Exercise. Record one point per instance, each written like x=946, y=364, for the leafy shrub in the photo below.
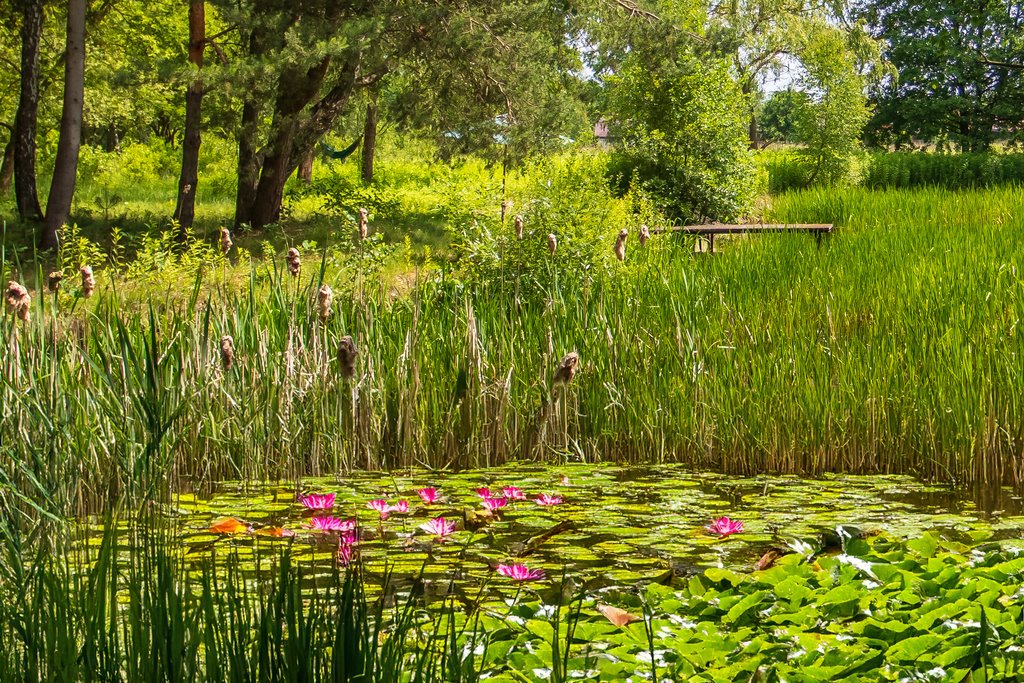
x=684, y=138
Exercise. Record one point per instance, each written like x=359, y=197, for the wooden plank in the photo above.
x=739, y=229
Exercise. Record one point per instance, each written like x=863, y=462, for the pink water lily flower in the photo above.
x=429, y=495
x=520, y=572
x=348, y=538
x=545, y=499
x=513, y=493
x=401, y=506
x=723, y=526
x=484, y=492
x=493, y=504
x=317, y=501
x=381, y=506
x=346, y=551
x=440, y=527
x=331, y=524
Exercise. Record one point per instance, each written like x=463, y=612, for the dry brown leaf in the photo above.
x=619, y=617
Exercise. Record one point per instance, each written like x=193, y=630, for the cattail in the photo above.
x=567, y=368
x=347, y=353
x=552, y=243
x=645, y=234
x=53, y=280
x=294, y=261
x=227, y=351
x=324, y=298
x=620, y=244
x=364, y=223
x=88, y=282
x=519, y=227
x=225, y=241
x=19, y=301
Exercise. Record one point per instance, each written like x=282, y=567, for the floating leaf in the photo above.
x=229, y=525
x=619, y=617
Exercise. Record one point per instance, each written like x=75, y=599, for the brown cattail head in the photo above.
x=324, y=298
x=364, y=223
x=567, y=368
x=620, y=244
x=53, y=280
x=227, y=351
x=294, y=261
x=645, y=234
x=552, y=243
x=88, y=282
x=347, y=353
x=519, y=227
x=19, y=301
x=225, y=241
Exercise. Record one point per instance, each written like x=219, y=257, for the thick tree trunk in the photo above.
x=248, y=164
x=306, y=168
x=369, y=141
x=7, y=165
x=65, y=166
x=185, y=209
x=25, y=190
x=295, y=90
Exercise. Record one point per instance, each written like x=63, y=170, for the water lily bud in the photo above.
x=225, y=241
x=88, y=282
x=347, y=353
x=294, y=261
x=620, y=244
x=227, y=351
x=324, y=298
x=53, y=280
x=19, y=301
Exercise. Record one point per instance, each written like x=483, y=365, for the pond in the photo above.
x=612, y=525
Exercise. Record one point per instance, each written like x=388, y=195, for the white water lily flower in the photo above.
x=542, y=673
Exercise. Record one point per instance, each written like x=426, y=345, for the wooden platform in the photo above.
x=709, y=230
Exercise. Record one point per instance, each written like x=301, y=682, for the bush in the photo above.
x=684, y=138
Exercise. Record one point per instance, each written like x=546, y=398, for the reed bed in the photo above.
x=895, y=346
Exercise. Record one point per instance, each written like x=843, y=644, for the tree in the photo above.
x=188, y=179
x=778, y=116
x=310, y=59
x=831, y=115
x=65, y=168
x=956, y=78
x=25, y=191
x=683, y=126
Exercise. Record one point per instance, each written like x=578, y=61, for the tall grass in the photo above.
x=894, y=347
x=895, y=170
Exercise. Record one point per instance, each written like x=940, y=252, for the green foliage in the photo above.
x=683, y=127
x=786, y=170
x=778, y=119
x=830, y=117
x=960, y=80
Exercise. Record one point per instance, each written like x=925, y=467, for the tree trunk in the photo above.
x=295, y=90
x=185, y=209
x=248, y=164
x=306, y=168
x=28, y=109
x=65, y=166
x=369, y=141
x=7, y=166
x=755, y=133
